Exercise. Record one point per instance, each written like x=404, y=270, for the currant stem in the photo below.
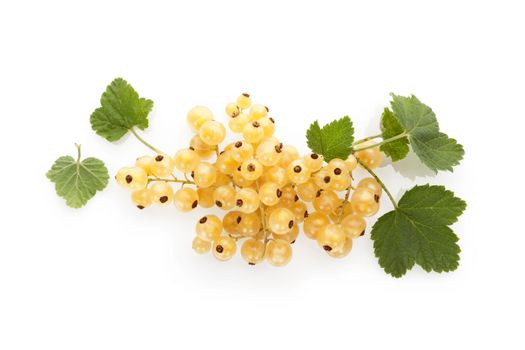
x=368, y=139
x=371, y=172
x=147, y=144
x=184, y=182
x=397, y=137
x=263, y=222
x=78, y=152
x=342, y=208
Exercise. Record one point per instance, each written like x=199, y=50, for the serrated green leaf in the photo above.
x=121, y=109
x=434, y=148
x=333, y=140
x=418, y=232
x=77, y=181
x=390, y=127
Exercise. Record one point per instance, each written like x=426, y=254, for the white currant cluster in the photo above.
x=266, y=188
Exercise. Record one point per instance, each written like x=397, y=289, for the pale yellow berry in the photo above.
x=197, y=116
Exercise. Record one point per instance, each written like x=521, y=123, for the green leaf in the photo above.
x=121, y=109
x=77, y=181
x=434, y=148
x=390, y=127
x=418, y=232
x=333, y=140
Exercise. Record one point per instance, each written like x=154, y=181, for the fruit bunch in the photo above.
x=266, y=189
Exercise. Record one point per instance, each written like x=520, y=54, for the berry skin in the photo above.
x=203, y=150
x=269, y=193
x=226, y=164
x=251, y=169
x=204, y=175
x=371, y=157
x=249, y=225
x=289, y=236
x=337, y=168
x=224, y=248
x=244, y=101
x=322, y=179
x=212, y=132
x=314, y=161
x=278, y=252
x=197, y=116
x=162, y=193
x=132, y=178
x=231, y=221
x=327, y=202
x=186, y=160
x=354, y=225
x=252, y=250
x=224, y=197
x=232, y=110
x=364, y=202
x=313, y=223
x=253, y=132
x=268, y=153
x=257, y=112
x=237, y=123
x=343, y=251
x=146, y=163
x=142, y=198
x=331, y=237
x=200, y=246
x=206, y=197
x=247, y=200
x=209, y=228
x=288, y=154
x=307, y=191
x=372, y=185
x=242, y=151
x=298, y=172
x=268, y=125
x=281, y=221
x=240, y=180
x=277, y=175
x=163, y=165
x=341, y=183
x=300, y=211
x=186, y=199
x=351, y=163
x=342, y=211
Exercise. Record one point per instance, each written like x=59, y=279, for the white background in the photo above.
x=110, y=277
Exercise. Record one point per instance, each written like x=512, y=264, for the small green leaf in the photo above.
x=333, y=140
x=121, y=109
x=418, y=232
x=434, y=148
x=390, y=127
x=77, y=181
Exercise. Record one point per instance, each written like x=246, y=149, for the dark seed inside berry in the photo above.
x=239, y=202
x=297, y=169
x=290, y=224
x=306, y=213
x=256, y=124
x=159, y=158
x=129, y=178
x=239, y=168
x=318, y=194
x=163, y=199
x=218, y=203
x=140, y=207
x=219, y=249
x=238, y=220
x=376, y=198
x=296, y=198
x=194, y=204
x=327, y=248
x=203, y=219
x=337, y=171
x=279, y=193
x=238, y=144
x=250, y=167
x=314, y=155
x=326, y=179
